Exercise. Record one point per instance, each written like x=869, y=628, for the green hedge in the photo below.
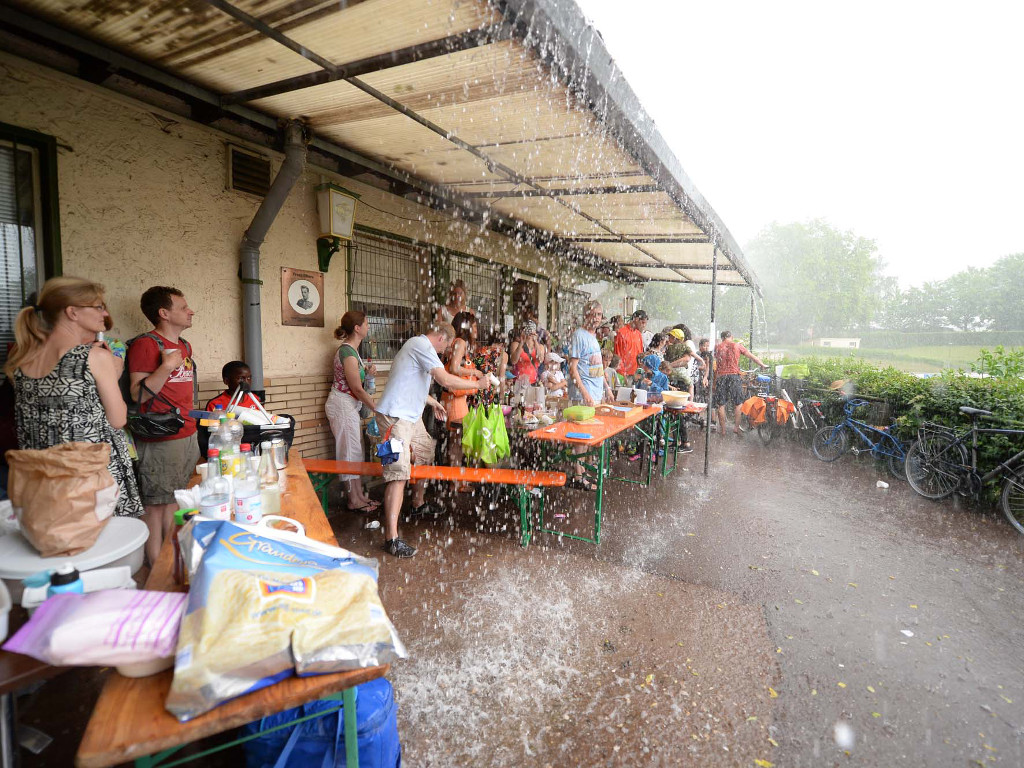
x=936, y=399
x=901, y=340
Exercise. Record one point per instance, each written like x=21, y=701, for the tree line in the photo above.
x=821, y=281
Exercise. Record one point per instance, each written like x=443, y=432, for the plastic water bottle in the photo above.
x=215, y=441
x=370, y=382
x=215, y=490
x=248, y=499
x=230, y=434
x=64, y=580
x=270, y=480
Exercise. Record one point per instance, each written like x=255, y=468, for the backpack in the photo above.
x=154, y=425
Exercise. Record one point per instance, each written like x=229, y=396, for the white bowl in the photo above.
x=120, y=543
x=675, y=398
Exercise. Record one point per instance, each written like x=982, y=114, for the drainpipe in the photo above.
x=249, y=250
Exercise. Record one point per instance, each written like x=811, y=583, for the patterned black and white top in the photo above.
x=64, y=406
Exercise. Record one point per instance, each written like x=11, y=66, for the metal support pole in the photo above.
x=751, y=319
x=711, y=389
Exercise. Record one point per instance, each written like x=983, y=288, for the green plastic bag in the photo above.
x=795, y=371
x=472, y=427
x=496, y=435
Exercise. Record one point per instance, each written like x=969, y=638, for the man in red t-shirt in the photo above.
x=728, y=387
x=164, y=365
x=629, y=343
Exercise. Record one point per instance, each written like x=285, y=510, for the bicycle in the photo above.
x=832, y=442
x=809, y=415
x=937, y=465
x=760, y=385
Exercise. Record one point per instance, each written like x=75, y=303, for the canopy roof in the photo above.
x=511, y=110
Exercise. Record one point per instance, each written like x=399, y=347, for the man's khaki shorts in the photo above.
x=165, y=467
x=414, y=439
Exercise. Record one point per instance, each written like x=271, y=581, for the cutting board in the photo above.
x=619, y=411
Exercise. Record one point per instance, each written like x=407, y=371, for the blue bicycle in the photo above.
x=832, y=442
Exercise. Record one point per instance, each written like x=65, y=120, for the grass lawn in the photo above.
x=911, y=359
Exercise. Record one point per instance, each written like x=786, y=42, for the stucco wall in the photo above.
x=144, y=201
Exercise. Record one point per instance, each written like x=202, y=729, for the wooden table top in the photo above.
x=606, y=426
x=130, y=720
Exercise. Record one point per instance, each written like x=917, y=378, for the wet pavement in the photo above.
x=780, y=601
x=780, y=611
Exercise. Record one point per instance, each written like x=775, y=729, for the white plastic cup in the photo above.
x=202, y=469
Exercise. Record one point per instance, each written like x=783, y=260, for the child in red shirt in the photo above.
x=232, y=374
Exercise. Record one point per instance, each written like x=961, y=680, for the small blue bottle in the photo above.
x=65, y=579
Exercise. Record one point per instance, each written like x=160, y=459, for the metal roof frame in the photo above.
x=207, y=107
x=565, y=45
x=560, y=34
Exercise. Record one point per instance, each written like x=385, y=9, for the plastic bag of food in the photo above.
x=112, y=627
x=263, y=606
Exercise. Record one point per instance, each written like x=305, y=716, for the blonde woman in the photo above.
x=345, y=401
x=66, y=383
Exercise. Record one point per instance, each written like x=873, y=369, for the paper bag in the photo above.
x=63, y=496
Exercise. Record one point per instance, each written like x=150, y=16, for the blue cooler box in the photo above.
x=321, y=742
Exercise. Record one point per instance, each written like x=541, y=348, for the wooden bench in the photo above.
x=528, y=483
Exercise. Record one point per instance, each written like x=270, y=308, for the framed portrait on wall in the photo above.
x=302, y=297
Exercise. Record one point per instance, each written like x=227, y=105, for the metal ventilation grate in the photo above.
x=248, y=172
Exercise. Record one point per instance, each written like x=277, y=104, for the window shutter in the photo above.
x=17, y=239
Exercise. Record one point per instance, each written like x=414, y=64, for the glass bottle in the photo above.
x=270, y=480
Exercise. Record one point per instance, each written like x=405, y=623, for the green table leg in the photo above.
x=348, y=698
x=671, y=429
x=554, y=457
x=523, y=501
x=320, y=482
x=602, y=467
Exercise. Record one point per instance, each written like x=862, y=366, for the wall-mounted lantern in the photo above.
x=336, y=207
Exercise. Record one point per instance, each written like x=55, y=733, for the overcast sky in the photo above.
x=902, y=121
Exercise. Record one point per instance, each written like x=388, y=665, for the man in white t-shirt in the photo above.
x=400, y=412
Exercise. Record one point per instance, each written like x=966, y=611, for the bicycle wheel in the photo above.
x=1013, y=499
x=934, y=465
x=897, y=466
x=831, y=442
x=766, y=429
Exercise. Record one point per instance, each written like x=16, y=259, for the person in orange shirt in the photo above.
x=728, y=388
x=629, y=343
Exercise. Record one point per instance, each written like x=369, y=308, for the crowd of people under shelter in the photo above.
x=68, y=386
